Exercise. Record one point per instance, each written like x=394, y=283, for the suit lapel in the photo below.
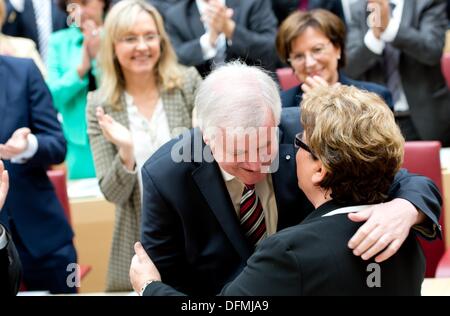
x=174, y=112
x=211, y=185
x=120, y=116
x=408, y=13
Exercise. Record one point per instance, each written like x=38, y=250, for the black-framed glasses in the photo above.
x=299, y=143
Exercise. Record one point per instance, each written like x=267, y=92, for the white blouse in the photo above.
x=148, y=135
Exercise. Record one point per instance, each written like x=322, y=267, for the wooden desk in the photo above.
x=93, y=222
x=436, y=287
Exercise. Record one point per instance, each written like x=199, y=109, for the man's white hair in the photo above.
x=237, y=95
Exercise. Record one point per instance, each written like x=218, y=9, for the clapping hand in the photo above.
x=379, y=17
x=16, y=145
x=119, y=135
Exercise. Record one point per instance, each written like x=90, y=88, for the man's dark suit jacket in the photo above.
x=32, y=205
x=282, y=8
x=420, y=39
x=23, y=24
x=293, y=96
x=313, y=258
x=253, y=39
x=189, y=225
x=10, y=269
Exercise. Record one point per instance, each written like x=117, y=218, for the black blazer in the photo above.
x=10, y=269
x=189, y=225
x=293, y=96
x=253, y=39
x=23, y=24
x=313, y=258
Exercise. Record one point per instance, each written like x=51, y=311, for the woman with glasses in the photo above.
x=145, y=98
x=72, y=73
x=348, y=157
x=313, y=44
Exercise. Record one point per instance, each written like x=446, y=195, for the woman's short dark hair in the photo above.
x=322, y=20
x=63, y=5
x=354, y=134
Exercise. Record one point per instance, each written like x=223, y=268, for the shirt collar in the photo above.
x=226, y=176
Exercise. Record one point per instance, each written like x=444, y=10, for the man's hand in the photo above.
x=142, y=268
x=4, y=184
x=16, y=145
x=312, y=83
x=387, y=227
x=379, y=17
x=218, y=18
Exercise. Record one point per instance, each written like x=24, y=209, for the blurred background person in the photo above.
x=402, y=49
x=313, y=44
x=72, y=73
x=283, y=8
x=144, y=97
x=163, y=5
x=17, y=46
x=31, y=140
x=36, y=20
x=208, y=33
x=10, y=267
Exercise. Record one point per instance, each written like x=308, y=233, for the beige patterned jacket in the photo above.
x=120, y=186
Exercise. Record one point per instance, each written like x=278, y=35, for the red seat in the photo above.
x=287, y=78
x=58, y=179
x=423, y=158
x=446, y=67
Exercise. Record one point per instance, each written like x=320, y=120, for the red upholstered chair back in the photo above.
x=446, y=67
x=58, y=179
x=423, y=158
x=287, y=78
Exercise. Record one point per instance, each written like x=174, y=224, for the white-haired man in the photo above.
x=203, y=214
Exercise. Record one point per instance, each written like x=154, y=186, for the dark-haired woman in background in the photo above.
x=313, y=44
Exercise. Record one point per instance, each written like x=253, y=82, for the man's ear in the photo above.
x=319, y=172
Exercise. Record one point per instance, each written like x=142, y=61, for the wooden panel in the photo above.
x=93, y=222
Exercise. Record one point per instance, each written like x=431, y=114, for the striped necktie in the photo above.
x=391, y=63
x=43, y=16
x=252, y=216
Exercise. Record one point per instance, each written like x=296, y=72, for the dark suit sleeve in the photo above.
x=256, y=38
x=359, y=58
x=10, y=269
x=43, y=121
x=273, y=270
x=189, y=51
x=425, y=43
x=161, y=229
x=425, y=196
